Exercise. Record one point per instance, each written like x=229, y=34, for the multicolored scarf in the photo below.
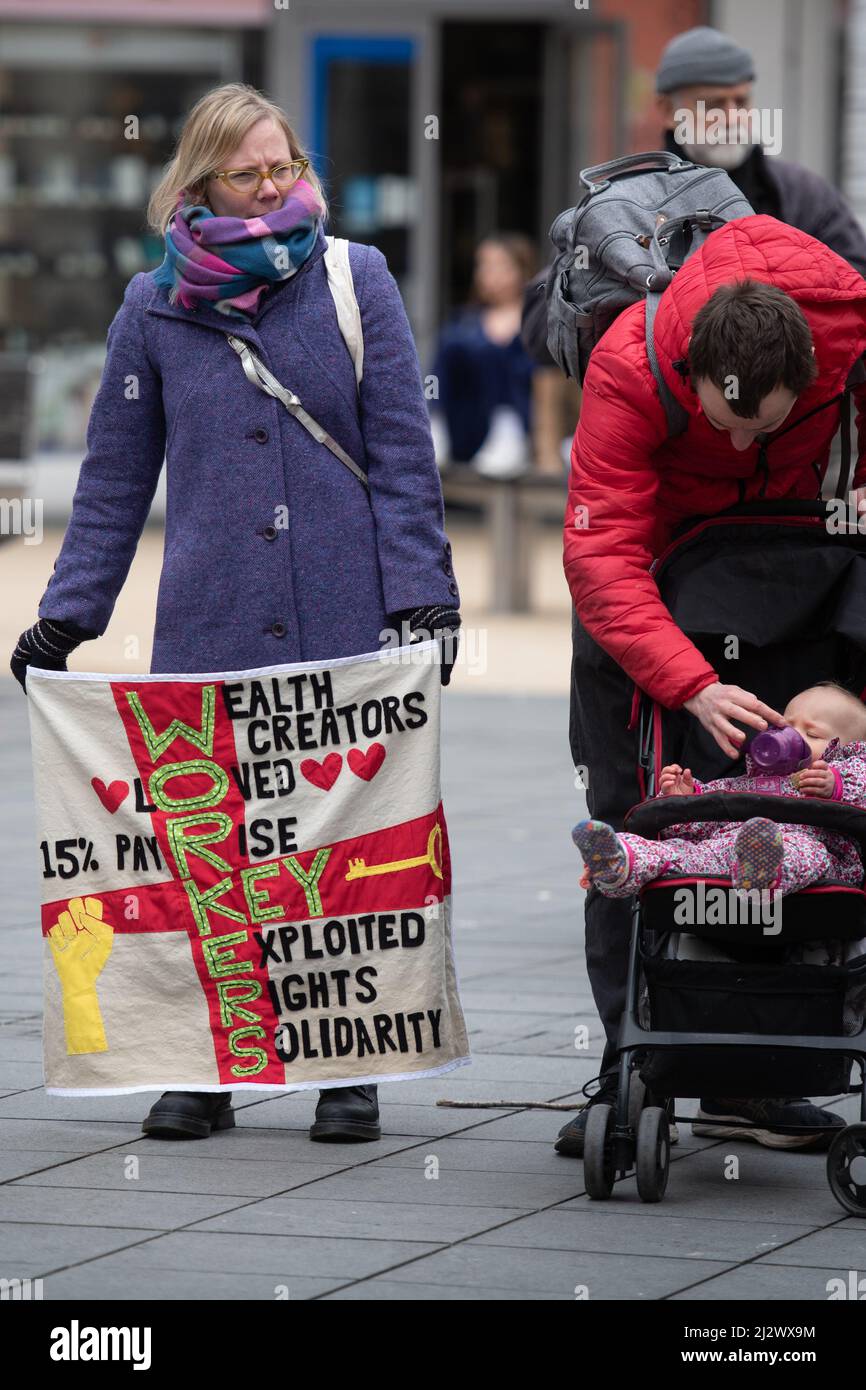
x=229, y=261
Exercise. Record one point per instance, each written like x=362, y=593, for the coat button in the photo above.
x=278, y=629
x=447, y=568
x=447, y=547
x=452, y=588
x=260, y=436
x=270, y=533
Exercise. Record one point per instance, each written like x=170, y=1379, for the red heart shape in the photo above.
x=323, y=774
x=367, y=764
x=111, y=795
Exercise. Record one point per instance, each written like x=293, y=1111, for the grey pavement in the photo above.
x=259, y=1212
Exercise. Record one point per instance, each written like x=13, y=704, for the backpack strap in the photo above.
x=258, y=374
x=856, y=377
x=677, y=415
x=342, y=287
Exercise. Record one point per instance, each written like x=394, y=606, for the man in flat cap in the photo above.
x=705, y=65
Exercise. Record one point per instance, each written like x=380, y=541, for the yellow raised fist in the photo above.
x=81, y=944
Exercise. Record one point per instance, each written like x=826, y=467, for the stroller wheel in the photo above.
x=846, y=1168
x=598, y=1170
x=653, y=1154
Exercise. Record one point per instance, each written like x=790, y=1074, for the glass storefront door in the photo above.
x=360, y=135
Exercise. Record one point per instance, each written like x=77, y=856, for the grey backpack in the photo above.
x=639, y=220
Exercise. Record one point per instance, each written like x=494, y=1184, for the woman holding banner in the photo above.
x=282, y=544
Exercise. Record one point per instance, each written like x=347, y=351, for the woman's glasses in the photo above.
x=250, y=180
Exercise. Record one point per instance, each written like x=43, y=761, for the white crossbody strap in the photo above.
x=258, y=374
x=342, y=288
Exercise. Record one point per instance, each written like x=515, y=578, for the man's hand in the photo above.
x=815, y=780
x=674, y=781
x=716, y=705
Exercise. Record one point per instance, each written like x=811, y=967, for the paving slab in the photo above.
x=280, y=1256
x=591, y=1229
x=375, y=1290
x=198, y=1174
x=477, y=1154
x=306, y=1214
x=79, y=1136
x=19, y=1075
x=93, y=1206
x=794, y=1206
x=26, y=1163
x=431, y=1183
x=764, y=1283
x=40, y=1246
x=557, y=1272
x=841, y=1246
x=126, y=1281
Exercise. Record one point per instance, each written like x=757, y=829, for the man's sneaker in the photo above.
x=721, y=1119
x=570, y=1140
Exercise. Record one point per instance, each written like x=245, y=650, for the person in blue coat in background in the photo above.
x=483, y=413
x=275, y=552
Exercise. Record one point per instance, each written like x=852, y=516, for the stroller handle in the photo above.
x=650, y=817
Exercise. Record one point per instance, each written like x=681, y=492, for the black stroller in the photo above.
x=787, y=580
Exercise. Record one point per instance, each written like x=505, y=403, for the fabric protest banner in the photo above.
x=246, y=878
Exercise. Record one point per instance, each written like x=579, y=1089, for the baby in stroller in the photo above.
x=758, y=853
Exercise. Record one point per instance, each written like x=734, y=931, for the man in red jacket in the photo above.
x=756, y=333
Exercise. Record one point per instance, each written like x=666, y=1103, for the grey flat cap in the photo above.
x=703, y=55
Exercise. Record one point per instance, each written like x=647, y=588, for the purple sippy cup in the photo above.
x=780, y=751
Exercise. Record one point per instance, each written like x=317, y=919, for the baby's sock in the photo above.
x=758, y=854
x=606, y=857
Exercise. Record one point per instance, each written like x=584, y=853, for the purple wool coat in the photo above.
x=244, y=583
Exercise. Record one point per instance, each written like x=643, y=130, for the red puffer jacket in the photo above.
x=633, y=485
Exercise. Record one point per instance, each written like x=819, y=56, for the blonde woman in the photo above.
x=275, y=551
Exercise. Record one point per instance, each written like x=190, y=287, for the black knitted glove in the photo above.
x=47, y=644
x=435, y=620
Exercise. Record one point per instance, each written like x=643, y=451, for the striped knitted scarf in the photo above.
x=229, y=261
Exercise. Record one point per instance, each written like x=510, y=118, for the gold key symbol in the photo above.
x=359, y=868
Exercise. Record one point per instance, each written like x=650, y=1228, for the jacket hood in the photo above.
x=829, y=291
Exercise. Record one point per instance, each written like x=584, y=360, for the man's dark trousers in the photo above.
x=602, y=744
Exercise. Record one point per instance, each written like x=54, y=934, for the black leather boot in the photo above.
x=346, y=1114
x=189, y=1114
